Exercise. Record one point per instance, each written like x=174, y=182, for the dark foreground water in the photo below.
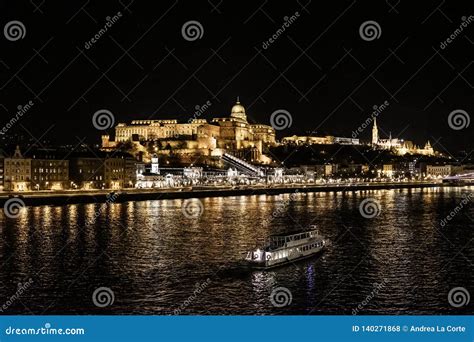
x=156, y=260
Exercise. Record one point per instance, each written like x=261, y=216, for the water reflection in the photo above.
x=152, y=256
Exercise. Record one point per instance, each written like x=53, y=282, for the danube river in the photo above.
x=148, y=257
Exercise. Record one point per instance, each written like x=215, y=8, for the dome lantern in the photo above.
x=238, y=111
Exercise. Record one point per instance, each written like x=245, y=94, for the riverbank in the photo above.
x=101, y=196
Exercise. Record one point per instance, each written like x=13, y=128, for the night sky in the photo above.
x=320, y=69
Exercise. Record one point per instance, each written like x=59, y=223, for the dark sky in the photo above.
x=320, y=69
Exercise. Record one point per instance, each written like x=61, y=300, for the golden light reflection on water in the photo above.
x=151, y=246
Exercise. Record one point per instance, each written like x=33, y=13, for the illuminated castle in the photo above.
x=399, y=146
x=198, y=136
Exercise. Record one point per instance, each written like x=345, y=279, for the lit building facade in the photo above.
x=313, y=140
x=49, y=174
x=17, y=172
x=198, y=136
x=86, y=172
x=102, y=172
x=443, y=170
x=399, y=146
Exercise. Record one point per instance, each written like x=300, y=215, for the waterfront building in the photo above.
x=149, y=180
x=86, y=172
x=114, y=173
x=193, y=172
x=329, y=169
x=17, y=172
x=350, y=169
x=130, y=178
x=104, y=171
x=443, y=170
x=388, y=170
x=412, y=169
x=49, y=173
x=198, y=136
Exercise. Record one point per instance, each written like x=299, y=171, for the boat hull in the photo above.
x=267, y=264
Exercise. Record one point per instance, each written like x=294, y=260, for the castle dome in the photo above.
x=238, y=111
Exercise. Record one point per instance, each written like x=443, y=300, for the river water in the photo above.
x=154, y=259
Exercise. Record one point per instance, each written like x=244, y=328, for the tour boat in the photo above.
x=285, y=248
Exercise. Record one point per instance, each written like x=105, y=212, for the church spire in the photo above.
x=375, y=133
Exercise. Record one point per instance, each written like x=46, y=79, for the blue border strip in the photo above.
x=238, y=328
